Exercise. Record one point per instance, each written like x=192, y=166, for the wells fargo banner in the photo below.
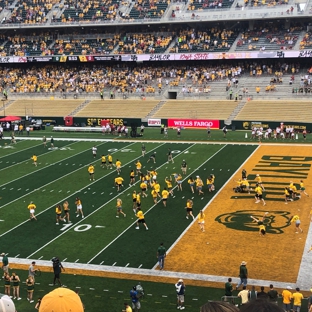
x=193, y=123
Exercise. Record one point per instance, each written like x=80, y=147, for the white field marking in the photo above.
x=195, y=299
x=93, y=192
x=68, y=191
x=105, y=290
x=60, y=191
x=1, y=220
x=51, y=191
x=19, y=150
x=140, y=266
x=91, y=288
x=77, y=286
x=100, y=226
x=134, y=221
x=120, y=291
x=150, y=294
x=64, y=260
x=43, y=190
x=51, y=205
x=164, y=296
x=3, y=188
x=211, y=200
x=40, y=187
x=76, y=260
x=127, y=264
x=63, y=232
x=28, y=160
x=16, y=256
x=38, y=170
x=102, y=263
x=19, y=189
x=40, y=257
x=110, y=193
x=12, y=188
x=114, y=263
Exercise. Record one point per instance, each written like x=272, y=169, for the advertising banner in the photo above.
x=194, y=123
x=154, y=122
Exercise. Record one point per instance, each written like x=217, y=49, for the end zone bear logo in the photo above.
x=240, y=220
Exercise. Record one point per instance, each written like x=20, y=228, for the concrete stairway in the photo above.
x=79, y=108
x=154, y=110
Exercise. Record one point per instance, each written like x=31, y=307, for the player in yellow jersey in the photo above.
x=91, y=172
x=31, y=207
x=169, y=185
x=79, y=207
x=157, y=187
x=119, y=208
x=58, y=212
x=179, y=182
x=138, y=200
x=258, y=194
x=66, y=211
x=302, y=188
x=141, y=219
x=110, y=161
x=297, y=221
x=210, y=184
x=119, y=183
x=245, y=185
x=260, y=222
x=191, y=183
x=155, y=195
x=143, y=187
x=132, y=177
x=138, y=167
x=103, y=161
x=201, y=220
x=134, y=205
x=34, y=159
x=189, y=209
x=118, y=166
x=199, y=185
x=259, y=181
x=154, y=174
x=287, y=195
x=164, y=195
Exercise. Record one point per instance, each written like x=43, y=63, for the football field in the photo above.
x=102, y=245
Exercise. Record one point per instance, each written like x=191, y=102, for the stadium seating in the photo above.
x=217, y=39
x=144, y=43
x=148, y=9
x=42, y=108
x=118, y=108
x=265, y=39
x=277, y=110
x=198, y=109
x=206, y=5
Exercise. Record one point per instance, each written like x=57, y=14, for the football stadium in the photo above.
x=155, y=155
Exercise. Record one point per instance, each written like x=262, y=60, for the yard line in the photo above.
x=16, y=256
x=101, y=262
x=42, y=185
x=40, y=257
x=140, y=266
x=211, y=200
x=19, y=150
x=54, y=204
x=28, y=159
x=76, y=260
x=114, y=263
x=131, y=225
x=65, y=231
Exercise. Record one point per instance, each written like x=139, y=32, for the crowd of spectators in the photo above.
x=216, y=38
x=126, y=78
x=264, y=38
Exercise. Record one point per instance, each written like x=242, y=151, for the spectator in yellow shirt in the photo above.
x=287, y=296
x=297, y=300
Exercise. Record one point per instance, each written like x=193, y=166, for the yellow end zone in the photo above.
x=232, y=237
